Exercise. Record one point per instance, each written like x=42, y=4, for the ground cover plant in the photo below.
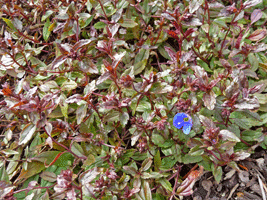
x=128, y=99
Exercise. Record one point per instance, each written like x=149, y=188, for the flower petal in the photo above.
x=178, y=120
x=187, y=128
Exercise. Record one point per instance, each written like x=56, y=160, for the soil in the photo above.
x=247, y=184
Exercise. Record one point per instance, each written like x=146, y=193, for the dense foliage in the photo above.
x=90, y=88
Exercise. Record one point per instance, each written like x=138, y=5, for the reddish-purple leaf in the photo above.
x=171, y=53
x=175, y=24
x=241, y=155
x=172, y=34
x=249, y=104
x=214, y=82
x=102, y=78
x=32, y=184
x=112, y=104
x=251, y=3
x=192, y=22
x=238, y=41
x=74, y=98
x=64, y=48
x=89, y=175
x=58, y=61
x=208, y=123
x=187, y=56
x=194, y=5
x=186, y=187
x=256, y=15
x=225, y=63
x=256, y=88
x=227, y=135
x=108, y=32
x=107, y=65
x=258, y=35
x=87, y=66
x=189, y=32
x=130, y=170
x=209, y=100
x=81, y=43
x=168, y=16
x=114, y=29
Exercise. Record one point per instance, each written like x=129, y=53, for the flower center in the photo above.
x=186, y=119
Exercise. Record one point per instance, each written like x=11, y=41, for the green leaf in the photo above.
x=146, y=6
x=139, y=67
x=154, y=175
x=9, y=23
x=235, y=129
x=33, y=168
x=168, y=162
x=12, y=165
x=49, y=176
x=159, y=197
x=3, y=175
x=204, y=65
x=17, y=23
x=63, y=105
x=221, y=22
x=157, y=139
x=147, y=190
x=242, y=123
x=38, y=63
x=157, y=161
x=124, y=118
x=139, y=156
x=250, y=135
x=99, y=25
x=89, y=6
x=27, y=133
x=90, y=160
x=81, y=113
x=89, y=88
x=128, y=23
x=217, y=173
x=166, y=184
x=85, y=19
x=69, y=85
x=47, y=157
x=77, y=149
x=194, y=5
x=209, y=100
x=112, y=116
x=143, y=106
x=46, y=32
x=261, y=97
x=196, y=151
x=167, y=143
x=65, y=160
x=130, y=170
x=146, y=164
x=187, y=159
x=253, y=61
x=9, y=152
x=47, y=14
x=161, y=88
x=228, y=136
x=143, y=54
x=206, y=164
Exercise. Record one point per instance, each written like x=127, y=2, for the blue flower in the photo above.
x=183, y=120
